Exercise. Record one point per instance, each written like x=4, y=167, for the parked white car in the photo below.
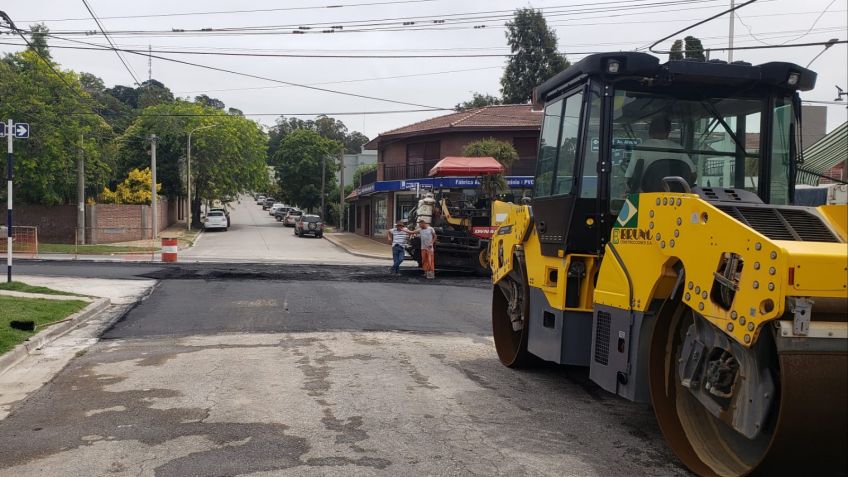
x=215, y=219
x=274, y=208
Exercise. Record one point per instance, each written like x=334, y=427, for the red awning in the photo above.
x=466, y=166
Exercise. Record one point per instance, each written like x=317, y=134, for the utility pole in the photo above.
x=9, y=178
x=153, y=205
x=730, y=36
x=323, y=167
x=81, y=193
x=341, y=192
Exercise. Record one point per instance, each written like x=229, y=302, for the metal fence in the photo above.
x=24, y=240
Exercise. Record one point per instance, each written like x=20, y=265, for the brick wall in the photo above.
x=56, y=224
x=104, y=222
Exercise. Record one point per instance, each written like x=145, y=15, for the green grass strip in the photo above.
x=41, y=311
x=92, y=249
x=23, y=287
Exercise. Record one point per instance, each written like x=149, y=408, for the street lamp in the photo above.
x=827, y=45
x=188, y=171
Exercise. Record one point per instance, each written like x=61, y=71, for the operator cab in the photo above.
x=617, y=124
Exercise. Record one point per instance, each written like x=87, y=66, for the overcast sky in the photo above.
x=582, y=26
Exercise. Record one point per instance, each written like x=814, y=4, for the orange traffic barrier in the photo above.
x=169, y=250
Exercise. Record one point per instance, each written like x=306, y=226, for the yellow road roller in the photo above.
x=661, y=249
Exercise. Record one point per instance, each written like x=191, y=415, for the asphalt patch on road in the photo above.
x=310, y=272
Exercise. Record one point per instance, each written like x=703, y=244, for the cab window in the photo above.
x=548, y=145
x=568, y=144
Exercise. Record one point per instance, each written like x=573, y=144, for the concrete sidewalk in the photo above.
x=359, y=245
x=25, y=368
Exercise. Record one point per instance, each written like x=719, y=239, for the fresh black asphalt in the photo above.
x=194, y=306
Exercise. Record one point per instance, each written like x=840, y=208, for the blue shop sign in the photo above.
x=430, y=183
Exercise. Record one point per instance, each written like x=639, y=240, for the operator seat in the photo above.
x=650, y=180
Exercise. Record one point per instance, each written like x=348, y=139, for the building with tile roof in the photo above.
x=406, y=154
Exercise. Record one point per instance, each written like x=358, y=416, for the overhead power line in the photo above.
x=229, y=12
x=114, y=47
x=413, y=22
x=249, y=75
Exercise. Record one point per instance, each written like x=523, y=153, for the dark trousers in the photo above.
x=397, y=256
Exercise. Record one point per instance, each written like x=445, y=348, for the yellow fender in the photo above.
x=655, y=231
x=514, y=224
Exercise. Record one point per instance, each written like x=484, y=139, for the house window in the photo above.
x=420, y=156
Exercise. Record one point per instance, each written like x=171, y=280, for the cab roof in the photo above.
x=637, y=65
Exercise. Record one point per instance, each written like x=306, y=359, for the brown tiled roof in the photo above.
x=508, y=116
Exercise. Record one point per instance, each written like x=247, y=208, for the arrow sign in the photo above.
x=21, y=130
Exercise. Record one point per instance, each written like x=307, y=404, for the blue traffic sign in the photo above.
x=21, y=130
x=2, y=129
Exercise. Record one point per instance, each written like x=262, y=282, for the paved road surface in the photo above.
x=255, y=236
x=341, y=372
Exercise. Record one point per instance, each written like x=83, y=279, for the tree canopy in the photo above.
x=298, y=162
x=535, y=56
x=61, y=116
x=688, y=48
x=227, y=159
x=329, y=128
x=503, y=152
x=478, y=100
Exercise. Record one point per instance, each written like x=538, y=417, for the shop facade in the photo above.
x=405, y=156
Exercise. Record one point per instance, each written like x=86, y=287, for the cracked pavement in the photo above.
x=216, y=376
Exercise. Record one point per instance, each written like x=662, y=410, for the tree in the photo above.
x=118, y=114
x=689, y=48
x=46, y=163
x=478, y=100
x=135, y=189
x=535, y=56
x=227, y=160
x=694, y=48
x=211, y=102
x=39, y=40
x=152, y=92
x=327, y=127
x=362, y=169
x=235, y=111
x=503, y=152
x=298, y=162
x=676, y=50
x=354, y=141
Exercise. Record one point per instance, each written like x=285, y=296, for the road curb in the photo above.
x=37, y=341
x=351, y=251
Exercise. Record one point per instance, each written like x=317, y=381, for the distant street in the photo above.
x=255, y=236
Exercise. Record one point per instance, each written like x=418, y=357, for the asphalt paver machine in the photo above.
x=662, y=251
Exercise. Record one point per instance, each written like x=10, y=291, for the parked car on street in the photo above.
x=260, y=200
x=224, y=210
x=269, y=201
x=215, y=219
x=273, y=209
x=281, y=212
x=309, y=224
x=291, y=217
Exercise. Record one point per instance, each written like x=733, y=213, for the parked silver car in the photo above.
x=291, y=217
